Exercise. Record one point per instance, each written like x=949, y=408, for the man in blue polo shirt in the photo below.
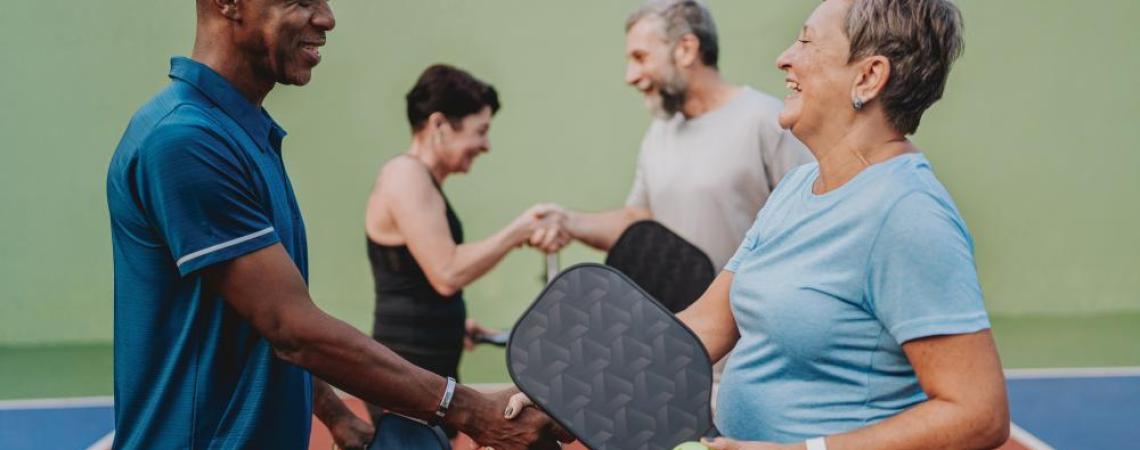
x=215, y=333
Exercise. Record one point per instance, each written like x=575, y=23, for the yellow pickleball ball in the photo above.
x=690, y=446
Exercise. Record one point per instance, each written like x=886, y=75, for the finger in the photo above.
x=536, y=237
x=516, y=404
x=556, y=237
x=549, y=237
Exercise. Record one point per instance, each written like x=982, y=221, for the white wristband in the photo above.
x=816, y=444
x=445, y=402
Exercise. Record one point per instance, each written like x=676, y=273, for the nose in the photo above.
x=324, y=18
x=632, y=74
x=784, y=61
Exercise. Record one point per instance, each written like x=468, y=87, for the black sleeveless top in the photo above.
x=410, y=316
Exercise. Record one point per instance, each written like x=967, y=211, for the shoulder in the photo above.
x=916, y=204
x=761, y=109
x=404, y=174
x=797, y=175
x=760, y=104
x=185, y=127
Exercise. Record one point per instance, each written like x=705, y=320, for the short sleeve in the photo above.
x=922, y=277
x=201, y=197
x=639, y=193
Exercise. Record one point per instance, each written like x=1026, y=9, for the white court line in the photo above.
x=1090, y=372
x=104, y=443
x=1027, y=439
x=57, y=403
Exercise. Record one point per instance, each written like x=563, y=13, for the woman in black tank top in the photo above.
x=420, y=260
x=411, y=317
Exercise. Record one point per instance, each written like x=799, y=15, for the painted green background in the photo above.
x=1036, y=139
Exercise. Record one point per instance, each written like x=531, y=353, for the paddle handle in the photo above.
x=552, y=266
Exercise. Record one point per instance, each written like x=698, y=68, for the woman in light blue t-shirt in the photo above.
x=859, y=322
x=852, y=309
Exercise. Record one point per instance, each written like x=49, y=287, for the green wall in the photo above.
x=1036, y=139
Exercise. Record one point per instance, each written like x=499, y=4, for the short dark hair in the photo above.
x=453, y=92
x=921, y=38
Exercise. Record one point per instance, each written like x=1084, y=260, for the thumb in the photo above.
x=516, y=404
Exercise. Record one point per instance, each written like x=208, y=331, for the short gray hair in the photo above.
x=921, y=38
x=681, y=17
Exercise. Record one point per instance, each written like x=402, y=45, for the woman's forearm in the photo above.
x=473, y=260
x=967, y=406
x=932, y=425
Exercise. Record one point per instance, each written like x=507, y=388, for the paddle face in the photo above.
x=672, y=270
x=610, y=364
x=394, y=432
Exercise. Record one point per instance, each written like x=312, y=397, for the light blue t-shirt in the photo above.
x=826, y=290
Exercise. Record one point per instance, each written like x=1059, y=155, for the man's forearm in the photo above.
x=346, y=358
x=327, y=406
x=266, y=288
x=600, y=230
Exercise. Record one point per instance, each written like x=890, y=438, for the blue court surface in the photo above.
x=1061, y=409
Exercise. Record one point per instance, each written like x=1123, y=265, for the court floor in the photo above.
x=1061, y=409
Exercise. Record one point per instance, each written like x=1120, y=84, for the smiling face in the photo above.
x=651, y=68
x=819, y=75
x=283, y=37
x=459, y=146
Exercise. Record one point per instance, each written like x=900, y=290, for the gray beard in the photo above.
x=672, y=102
x=671, y=95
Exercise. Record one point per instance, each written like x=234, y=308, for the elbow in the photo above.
x=288, y=343
x=636, y=214
x=446, y=280
x=991, y=428
x=1002, y=436
x=995, y=432
x=445, y=288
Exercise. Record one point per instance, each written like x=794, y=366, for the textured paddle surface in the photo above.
x=612, y=365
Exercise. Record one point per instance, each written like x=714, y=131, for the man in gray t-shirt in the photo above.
x=715, y=150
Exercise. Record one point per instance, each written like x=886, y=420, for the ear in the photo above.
x=871, y=78
x=230, y=9
x=437, y=122
x=687, y=51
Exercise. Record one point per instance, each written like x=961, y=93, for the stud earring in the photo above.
x=858, y=104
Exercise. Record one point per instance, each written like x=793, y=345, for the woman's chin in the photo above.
x=787, y=120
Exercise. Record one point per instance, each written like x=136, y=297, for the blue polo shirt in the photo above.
x=196, y=180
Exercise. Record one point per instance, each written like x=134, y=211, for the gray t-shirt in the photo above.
x=707, y=177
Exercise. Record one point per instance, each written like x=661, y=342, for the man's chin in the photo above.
x=297, y=77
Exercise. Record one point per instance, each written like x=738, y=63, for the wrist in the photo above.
x=573, y=223
x=515, y=235
x=445, y=401
x=465, y=409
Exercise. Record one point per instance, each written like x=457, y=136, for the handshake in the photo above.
x=545, y=227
